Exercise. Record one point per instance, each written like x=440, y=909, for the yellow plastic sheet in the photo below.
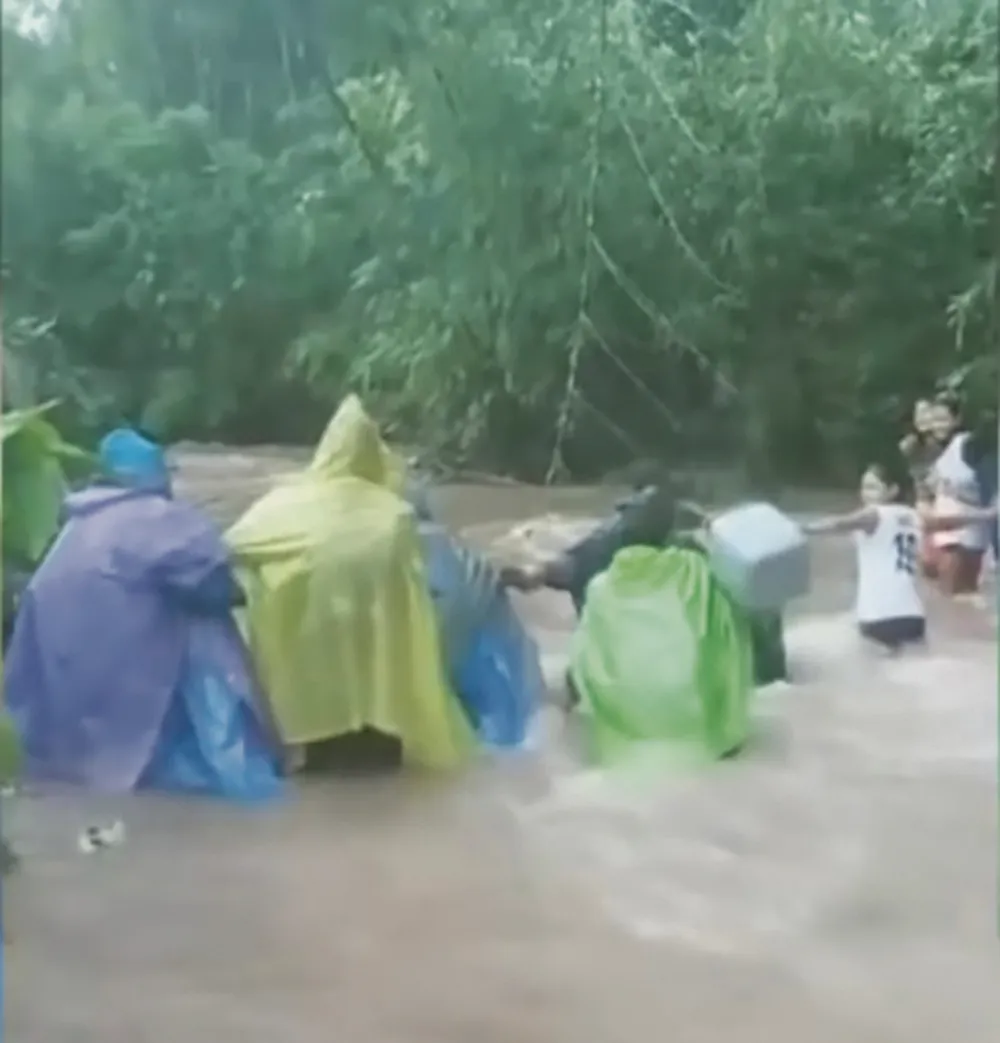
x=339, y=617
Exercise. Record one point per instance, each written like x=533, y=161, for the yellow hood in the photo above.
x=351, y=446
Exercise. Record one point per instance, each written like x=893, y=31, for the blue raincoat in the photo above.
x=125, y=668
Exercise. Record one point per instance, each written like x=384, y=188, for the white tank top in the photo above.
x=888, y=561
x=956, y=488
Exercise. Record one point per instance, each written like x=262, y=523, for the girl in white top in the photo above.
x=959, y=549
x=887, y=534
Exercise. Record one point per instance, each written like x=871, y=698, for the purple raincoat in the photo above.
x=104, y=638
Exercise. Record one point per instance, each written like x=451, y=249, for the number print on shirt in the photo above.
x=906, y=552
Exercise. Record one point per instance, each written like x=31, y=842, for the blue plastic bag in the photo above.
x=500, y=681
x=213, y=744
x=492, y=662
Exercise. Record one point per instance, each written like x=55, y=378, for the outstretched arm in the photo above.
x=556, y=574
x=194, y=569
x=863, y=520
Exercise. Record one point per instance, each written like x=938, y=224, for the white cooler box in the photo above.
x=760, y=555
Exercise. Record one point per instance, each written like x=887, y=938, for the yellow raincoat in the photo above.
x=339, y=617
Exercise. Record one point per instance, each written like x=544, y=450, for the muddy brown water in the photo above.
x=837, y=884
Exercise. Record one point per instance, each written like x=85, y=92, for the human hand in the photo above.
x=522, y=577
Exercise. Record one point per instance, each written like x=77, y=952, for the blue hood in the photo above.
x=134, y=461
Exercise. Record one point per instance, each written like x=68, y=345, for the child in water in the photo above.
x=887, y=534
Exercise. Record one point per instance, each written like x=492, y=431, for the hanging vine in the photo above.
x=578, y=338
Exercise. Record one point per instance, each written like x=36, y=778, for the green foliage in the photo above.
x=11, y=759
x=527, y=232
x=36, y=463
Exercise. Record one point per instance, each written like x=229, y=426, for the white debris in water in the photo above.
x=97, y=838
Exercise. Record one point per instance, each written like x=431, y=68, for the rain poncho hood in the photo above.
x=352, y=447
x=339, y=616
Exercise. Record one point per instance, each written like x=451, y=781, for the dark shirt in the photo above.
x=645, y=519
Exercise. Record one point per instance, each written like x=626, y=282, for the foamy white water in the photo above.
x=747, y=857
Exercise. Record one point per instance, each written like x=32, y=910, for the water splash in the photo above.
x=746, y=859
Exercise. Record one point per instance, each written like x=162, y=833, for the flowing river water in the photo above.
x=835, y=884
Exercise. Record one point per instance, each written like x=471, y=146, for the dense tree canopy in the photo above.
x=537, y=234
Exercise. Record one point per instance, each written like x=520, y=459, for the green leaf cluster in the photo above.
x=36, y=463
x=10, y=750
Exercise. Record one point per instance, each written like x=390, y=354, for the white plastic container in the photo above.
x=760, y=555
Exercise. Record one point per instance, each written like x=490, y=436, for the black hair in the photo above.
x=649, y=517
x=908, y=420
x=981, y=445
x=950, y=401
x=893, y=471
x=641, y=474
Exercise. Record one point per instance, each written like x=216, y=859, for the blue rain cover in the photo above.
x=493, y=663
x=500, y=681
x=213, y=740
